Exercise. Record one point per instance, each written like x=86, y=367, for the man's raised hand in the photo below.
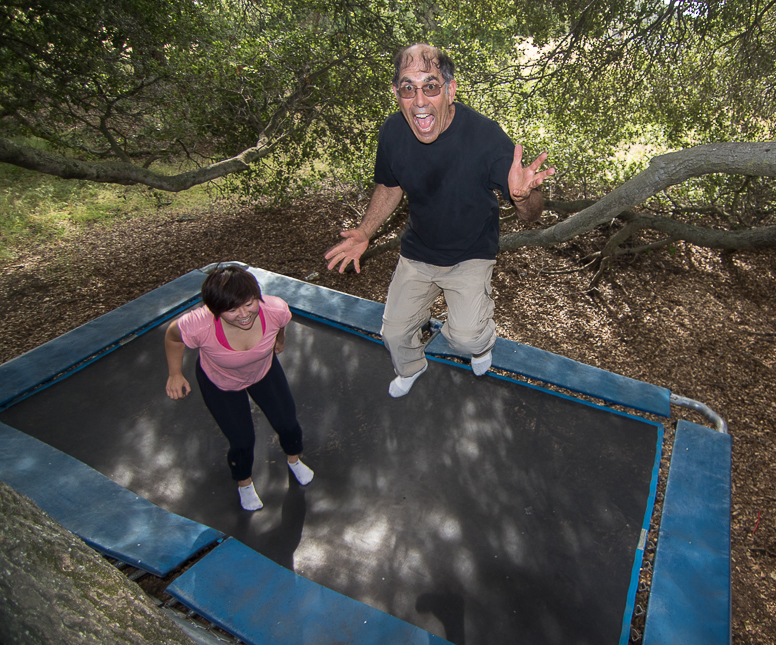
x=522, y=180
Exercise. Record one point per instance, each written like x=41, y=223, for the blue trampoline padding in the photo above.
x=690, y=598
x=106, y=516
x=23, y=373
x=563, y=372
x=323, y=303
x=366, y=315
x=262, y=603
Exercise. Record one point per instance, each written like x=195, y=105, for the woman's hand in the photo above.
x=177, y=386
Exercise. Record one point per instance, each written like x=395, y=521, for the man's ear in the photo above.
x=451, y=87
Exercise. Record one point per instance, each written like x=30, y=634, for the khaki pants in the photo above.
x=415, y=285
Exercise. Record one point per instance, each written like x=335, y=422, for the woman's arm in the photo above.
x=280, y=340
x=177, y=385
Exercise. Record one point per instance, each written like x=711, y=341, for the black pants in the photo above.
x=232, y=412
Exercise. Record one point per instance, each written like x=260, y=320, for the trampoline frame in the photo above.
x=690, y=598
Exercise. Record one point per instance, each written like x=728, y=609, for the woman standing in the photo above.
x=239, y=334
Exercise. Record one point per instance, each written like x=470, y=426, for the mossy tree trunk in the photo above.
x=55, y=589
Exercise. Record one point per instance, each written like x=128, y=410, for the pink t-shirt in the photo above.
x=227, y=368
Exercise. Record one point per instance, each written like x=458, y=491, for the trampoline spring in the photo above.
x=647, y=566
x=223, y=638
x=638, y=610
x=136, y=575
x=191, y=613
x=635, y=635
x=171, y=603
x=643, y=586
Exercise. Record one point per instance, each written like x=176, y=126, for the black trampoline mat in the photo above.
x=480, y=509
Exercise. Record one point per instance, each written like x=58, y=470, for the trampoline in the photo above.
x=473, y=510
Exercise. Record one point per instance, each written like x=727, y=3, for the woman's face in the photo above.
x=243, y=316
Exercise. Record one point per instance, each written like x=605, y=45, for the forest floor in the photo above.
x=701, y=323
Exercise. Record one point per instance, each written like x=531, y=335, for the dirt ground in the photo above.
x=698, y=322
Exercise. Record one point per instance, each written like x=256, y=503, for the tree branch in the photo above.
x=126, y=174
x=757, y=159
x=708, y=237
x=372, y=251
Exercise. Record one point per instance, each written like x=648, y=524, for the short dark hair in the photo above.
x=229, y=287
x=431, y=57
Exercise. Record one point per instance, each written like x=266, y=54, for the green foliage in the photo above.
x=141, y=81
x=594, y=82
x=88, y=76
x=37, y=208
x=308, y=81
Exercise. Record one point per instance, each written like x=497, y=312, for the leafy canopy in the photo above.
x=283, y=90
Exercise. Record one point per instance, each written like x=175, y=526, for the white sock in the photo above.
x=304, y=474
x=402, y=384
x=249, y=500
x=482, y=364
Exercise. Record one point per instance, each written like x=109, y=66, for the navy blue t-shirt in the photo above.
x=449, y=184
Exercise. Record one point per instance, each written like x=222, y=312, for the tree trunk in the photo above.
x=124, y=173
x=55, y=589
x=752, y=159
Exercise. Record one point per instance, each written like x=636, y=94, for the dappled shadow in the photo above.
x=280, y=543
x=476, y=508
x=449, y=608
x=517, y=498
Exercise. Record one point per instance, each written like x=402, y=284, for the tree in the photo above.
x=87, y=78
x=111, y=88
x=263, y=90
x=666, y=61
x=55, y=589
x=749, y=159
x=589, y=80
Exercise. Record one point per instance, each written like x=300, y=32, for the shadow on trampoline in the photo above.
x=478, y=509
x=280, y=543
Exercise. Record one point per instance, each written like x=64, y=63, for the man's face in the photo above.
x=428, y=116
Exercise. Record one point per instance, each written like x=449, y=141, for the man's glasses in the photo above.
x=429, y=89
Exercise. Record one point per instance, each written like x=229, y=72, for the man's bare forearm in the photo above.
x=384, y=201
x=530, y=209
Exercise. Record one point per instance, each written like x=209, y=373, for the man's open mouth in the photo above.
x=424, y=122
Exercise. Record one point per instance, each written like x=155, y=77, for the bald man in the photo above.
x=448, y=159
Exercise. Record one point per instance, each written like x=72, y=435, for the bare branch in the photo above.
x=371, y=252
x=127, y=174
x=756, y=159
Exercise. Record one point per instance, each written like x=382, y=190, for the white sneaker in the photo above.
x=482, y=364
x=304, y=474
x=401, y=384
x=249, y=500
